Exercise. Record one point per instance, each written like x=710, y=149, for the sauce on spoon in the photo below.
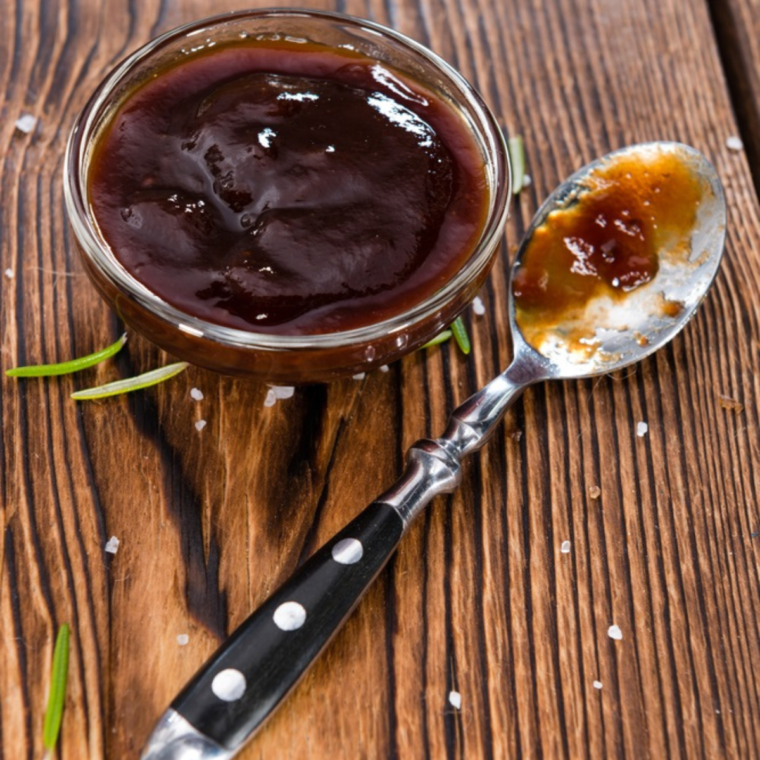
x=606, y=240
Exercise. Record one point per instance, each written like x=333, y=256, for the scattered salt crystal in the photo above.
x=196, y=394
x=594, y=492
x=734, y=143
x=271, y=398
x=200, y=425
x=9, y=274
x=527, y=180
x=597, y=684
x=360, y=376
x=614, y=632
x=565, y=548
x=641, y=429
x=384, y=368
x=478, y=307
x=26, y=123
x=455, y=700
x=283, y=391
x=516, y=435
x=183, y=639
x=112, y=545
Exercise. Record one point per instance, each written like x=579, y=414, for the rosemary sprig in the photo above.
x=65, y=368
x=57, y=697
x=460, y=335
x=131, y=384
x=442, y=337
x=517, y=160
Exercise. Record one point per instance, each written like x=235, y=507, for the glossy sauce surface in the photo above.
x=288, y=188
x=606, y=242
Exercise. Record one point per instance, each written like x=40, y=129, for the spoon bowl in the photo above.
x=627, y=331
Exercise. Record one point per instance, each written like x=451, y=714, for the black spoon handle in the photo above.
x=266, y=656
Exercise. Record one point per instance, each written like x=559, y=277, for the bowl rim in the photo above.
x=100, y=255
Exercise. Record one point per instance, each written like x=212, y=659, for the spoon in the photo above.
x=252, y=672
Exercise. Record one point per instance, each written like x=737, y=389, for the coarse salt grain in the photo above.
x=9, y=274
x=641, y=429
x=183, y=639
x=565, y=548
x=455, y=700
x=200, y=425
x=360, y=376
x=597, y=684
x=734, y=143
x=271, y=399
x=614, y=632
x=112, y=545
x=527, y=180
x=196, y=394
x=385, y=368
x=283, y=391
x=26, y=123
x=478, y=306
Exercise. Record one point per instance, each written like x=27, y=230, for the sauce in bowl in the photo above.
x=288, y=188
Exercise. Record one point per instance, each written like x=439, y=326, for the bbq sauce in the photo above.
x=288, y=188
x=606, y=241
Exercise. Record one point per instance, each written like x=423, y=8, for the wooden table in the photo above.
x=480, y=599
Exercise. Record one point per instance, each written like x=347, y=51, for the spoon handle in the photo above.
x=252, y=672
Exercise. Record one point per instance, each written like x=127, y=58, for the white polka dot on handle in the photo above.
x=229, y=685
x=289, y=616
x=348, y=551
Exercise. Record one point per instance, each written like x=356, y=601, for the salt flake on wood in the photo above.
x=112, y=545
x=271, y=399
x=384, y=368
x=641, y=429
x=597, y=684
x=565, y=548
x=26, y=123
x=196, y=394
x=614, y=632
x=200, y=425
x=360, y=376
x=283, y=391
x=9, y=274
x=183, y=639
x=734, y=143
x=455, y=700
x=478, y=306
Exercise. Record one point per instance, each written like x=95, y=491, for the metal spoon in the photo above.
x=244, y=682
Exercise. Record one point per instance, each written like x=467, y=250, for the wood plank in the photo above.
x=479, y=599
x=737, y=26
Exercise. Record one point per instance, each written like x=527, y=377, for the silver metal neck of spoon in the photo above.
x=434, y=465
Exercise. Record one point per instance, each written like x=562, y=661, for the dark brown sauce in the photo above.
x=608, y=241
x=288, y=188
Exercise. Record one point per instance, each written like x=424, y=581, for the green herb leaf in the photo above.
x=65, y=368
x=57, y=698
x=517, y=160
x=442, y=337
x=132, y=384
x=460, y=335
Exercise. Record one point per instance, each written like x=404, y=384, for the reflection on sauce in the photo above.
x=606, y=242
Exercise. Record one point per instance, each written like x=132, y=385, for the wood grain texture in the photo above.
x=479, y=599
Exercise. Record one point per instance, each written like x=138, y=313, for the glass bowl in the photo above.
x=284, y=359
